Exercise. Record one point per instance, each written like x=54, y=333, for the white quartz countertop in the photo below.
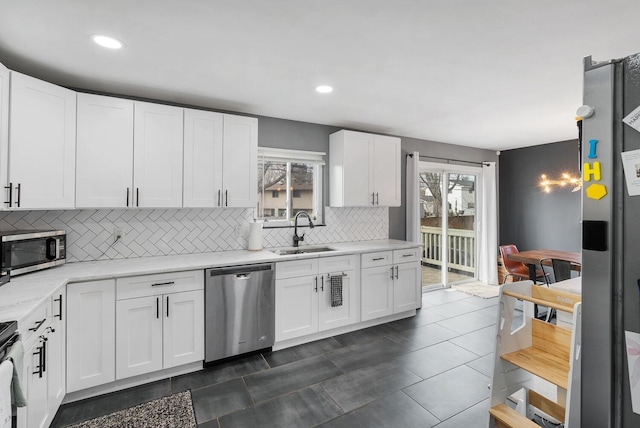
x=25, y=293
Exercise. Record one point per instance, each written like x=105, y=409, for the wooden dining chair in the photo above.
x=515, y=269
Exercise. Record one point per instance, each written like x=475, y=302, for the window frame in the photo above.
x=288, y=156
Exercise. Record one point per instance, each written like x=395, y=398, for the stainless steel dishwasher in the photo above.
x=239, y=310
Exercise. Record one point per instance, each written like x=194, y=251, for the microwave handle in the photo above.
x=52, y=246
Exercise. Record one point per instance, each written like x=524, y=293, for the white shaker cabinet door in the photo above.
x=138, y=336
x=202, y=158
x=349, y=171
x=104, y=172
x=42, y=144
x=157, y=147
x=240, y=162
x=405, y=290
x=386, y=171
x=91, y=334
x=4, y=130
x=34, y=385
x=56, y=351
x=183, y=315
x=348, y=311
x=296, y=307
x=377, y=292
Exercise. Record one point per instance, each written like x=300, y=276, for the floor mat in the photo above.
x=174, y=411
x=478, y=289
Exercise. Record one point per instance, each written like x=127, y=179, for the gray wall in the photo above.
x=397, y=216
x=530, y=218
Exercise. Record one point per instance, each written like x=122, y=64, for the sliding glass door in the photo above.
x=448, y=224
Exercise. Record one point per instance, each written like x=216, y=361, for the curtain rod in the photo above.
x=451, y=160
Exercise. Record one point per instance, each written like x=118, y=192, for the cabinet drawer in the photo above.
x=153, y=285
x=379, y=258
x=296, y=268
x=406, y=256
x=35, y=323
x=337, y=263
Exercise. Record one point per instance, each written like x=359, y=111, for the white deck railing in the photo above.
x=462, y=248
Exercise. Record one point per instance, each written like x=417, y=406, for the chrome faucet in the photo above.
x=296, y=238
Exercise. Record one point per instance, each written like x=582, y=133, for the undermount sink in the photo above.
x=300, y=250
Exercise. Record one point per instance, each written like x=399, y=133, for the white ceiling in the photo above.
x=493, y=74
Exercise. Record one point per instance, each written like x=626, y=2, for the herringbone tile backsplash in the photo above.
x=154, y=232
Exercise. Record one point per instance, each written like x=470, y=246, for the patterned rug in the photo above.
x=478, y=289
x=174, y=411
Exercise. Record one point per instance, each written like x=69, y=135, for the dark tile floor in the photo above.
x=431, y=370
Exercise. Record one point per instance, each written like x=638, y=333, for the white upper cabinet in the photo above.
x=240, y=154
x=384, y=170
x=104, y=173
x=364, y=170
x=4, y=130
x=157, y=148
x=42, y=139
x=202, y=158
x=220, y=160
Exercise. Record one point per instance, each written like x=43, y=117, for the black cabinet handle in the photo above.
x=219, y=196
x=226, y=198
x=59, y=300
x=167, y=306
x=44, y=355
x=322, y=286
x=127, y=196
x=41, y=350
x=377, y=259
x=18, y=196
x=137, y=197
x=391, y=272
x=316, y=279
x=10, y=188
x=157, y=307
x=38, y=324
x=373, y=198
x=377, y=198
x=396, y=271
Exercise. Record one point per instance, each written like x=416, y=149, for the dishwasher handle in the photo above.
x=239, y=270
x=243, y=276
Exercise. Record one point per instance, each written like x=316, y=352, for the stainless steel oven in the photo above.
x=31, y=250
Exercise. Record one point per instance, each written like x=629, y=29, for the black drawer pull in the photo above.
x=38, y=324
x=377, y=259
x=163, y=283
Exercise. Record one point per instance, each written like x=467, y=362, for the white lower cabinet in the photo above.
x=43, y=365
x=390, y=282
x=377, y=292
x=164, y=327
x=57, y=350
x=303, y=295
x=91, y=334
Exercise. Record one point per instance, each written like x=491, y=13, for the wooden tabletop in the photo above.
x=534, y=256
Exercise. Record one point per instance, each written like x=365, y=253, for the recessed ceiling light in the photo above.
x=324, y=89
x=107, y=42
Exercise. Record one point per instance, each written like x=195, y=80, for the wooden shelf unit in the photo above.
x=530, y=349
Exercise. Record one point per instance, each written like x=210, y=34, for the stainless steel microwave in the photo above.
x=31, y=250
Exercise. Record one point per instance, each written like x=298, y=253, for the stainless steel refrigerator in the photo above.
x=611, y=242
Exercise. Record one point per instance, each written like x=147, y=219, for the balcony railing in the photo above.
x=462, y=248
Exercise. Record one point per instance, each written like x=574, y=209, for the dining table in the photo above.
x=532, y=258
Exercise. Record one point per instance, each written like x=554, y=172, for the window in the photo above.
x=289, y=181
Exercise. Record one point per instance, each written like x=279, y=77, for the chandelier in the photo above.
x=566, y=181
